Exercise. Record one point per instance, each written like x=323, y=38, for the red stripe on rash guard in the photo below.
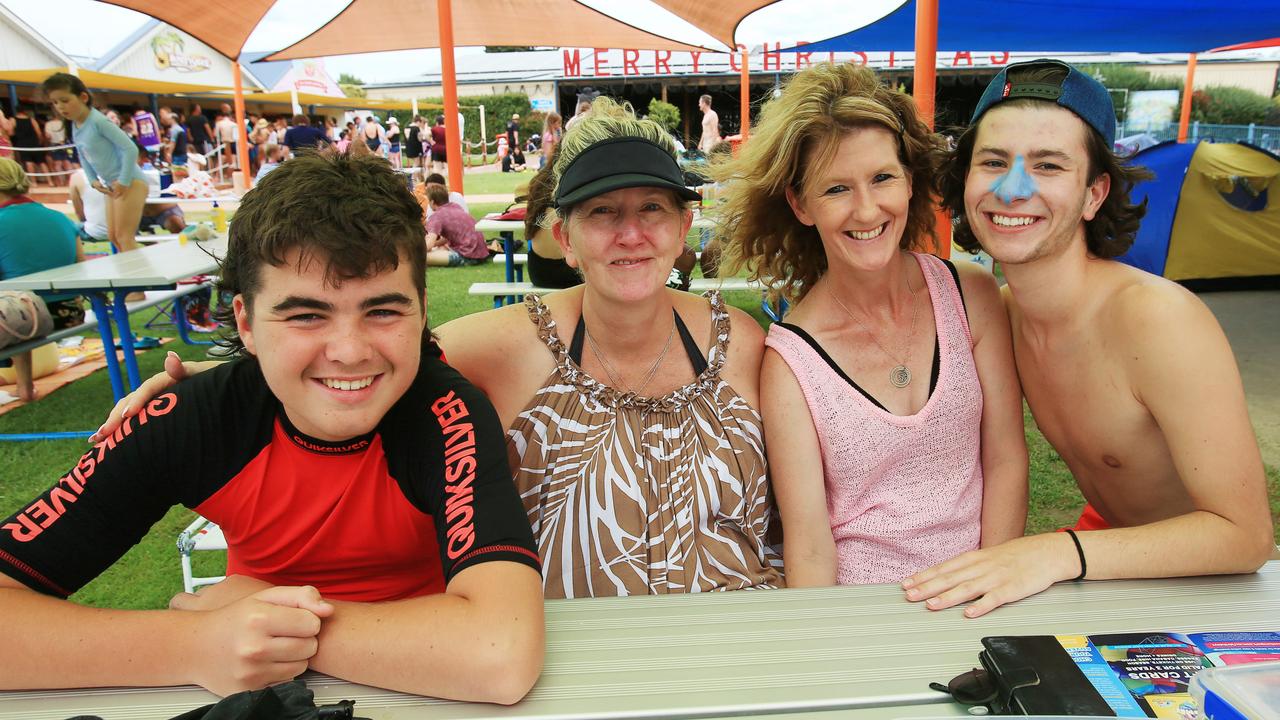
x=500, y=548
x=31, y=572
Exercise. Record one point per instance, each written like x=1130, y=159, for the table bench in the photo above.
x=154, y=299
x=514, y=291
x=157, y=267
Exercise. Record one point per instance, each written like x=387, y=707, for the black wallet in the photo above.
x=1028, y=675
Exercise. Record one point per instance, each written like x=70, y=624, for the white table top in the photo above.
x=152, y=266
x=165, y=200
x=862, y=653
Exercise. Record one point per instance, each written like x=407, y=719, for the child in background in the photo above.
x=108, y=156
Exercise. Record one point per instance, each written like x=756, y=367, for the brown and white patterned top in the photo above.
x=632, y=495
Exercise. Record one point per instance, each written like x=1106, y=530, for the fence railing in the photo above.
x=1264, y=136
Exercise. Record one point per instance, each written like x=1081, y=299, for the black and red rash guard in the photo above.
x=388, y=515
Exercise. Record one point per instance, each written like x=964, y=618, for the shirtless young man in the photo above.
x=1128, y=375
x=710, y=125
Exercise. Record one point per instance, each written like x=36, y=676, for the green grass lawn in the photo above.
x=149, y=574
x=489, y=183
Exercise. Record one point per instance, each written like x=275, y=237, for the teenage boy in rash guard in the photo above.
x=373, y=528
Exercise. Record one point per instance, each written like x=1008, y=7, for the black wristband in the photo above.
x=1080, y=551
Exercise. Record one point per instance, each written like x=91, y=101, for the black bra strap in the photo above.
x=575, y=345
x=690, y=347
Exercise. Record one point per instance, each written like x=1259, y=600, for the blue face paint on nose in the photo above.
x=1015, y=184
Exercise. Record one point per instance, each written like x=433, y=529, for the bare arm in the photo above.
x=481, y=640
x=1004, y=442
x=795, y=469
x=259, y=640
x=77, y=201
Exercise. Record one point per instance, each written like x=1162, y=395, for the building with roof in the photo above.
x=555, y=79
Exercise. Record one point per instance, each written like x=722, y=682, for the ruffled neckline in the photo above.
x=605, y=394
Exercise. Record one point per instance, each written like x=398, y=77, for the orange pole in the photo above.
x=1184, y=121
x=242, y=147
x=746, y=97
x=924, y=83
x=926, y=58
x=449, y=78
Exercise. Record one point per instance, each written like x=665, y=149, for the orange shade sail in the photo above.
x=362, y=27
x=223, y=26
x=720, y=20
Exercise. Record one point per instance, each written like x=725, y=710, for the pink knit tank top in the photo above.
x=903, y=492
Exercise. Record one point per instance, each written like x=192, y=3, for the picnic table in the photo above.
x=188, y=202
x=853, y=653
x=107, y=280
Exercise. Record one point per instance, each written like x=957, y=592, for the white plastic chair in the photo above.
x=199, y=535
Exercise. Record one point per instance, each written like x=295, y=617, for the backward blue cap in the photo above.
x=1078, y=92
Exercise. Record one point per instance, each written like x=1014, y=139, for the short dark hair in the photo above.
x=352, y=212
x=300, y=119
x=436, y=178
x=67, y=82
x=438, y=194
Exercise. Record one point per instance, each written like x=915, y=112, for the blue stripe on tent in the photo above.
x=1078, y=26
x=1169, y=161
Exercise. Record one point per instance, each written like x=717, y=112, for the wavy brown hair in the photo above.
x=1112, y=230
x=794, y=141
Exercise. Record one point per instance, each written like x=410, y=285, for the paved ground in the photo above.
x=1252, y=323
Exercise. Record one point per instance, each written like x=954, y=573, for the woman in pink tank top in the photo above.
x=892, y=409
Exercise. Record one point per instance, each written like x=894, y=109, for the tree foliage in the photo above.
x=1216, y=104
x=665, y=114
x=1223, y=105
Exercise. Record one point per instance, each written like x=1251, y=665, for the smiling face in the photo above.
x=1049, y=143
x=336, y=356
x=859, y=203
x=69, y=106
x=625, y=242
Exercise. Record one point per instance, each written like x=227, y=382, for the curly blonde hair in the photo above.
x=792, y=144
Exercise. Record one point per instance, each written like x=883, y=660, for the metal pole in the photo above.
x=449, y=78
x=484, y=137
x=1187, y=87
x=242, y=146
x=924, y=80
x=746, y=98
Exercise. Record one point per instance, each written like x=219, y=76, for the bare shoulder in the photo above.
x=982, y=298
x=746, y=337
x=1148, y=308
x=480, y=342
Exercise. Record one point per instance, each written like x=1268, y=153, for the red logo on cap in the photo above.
x=1006, y=89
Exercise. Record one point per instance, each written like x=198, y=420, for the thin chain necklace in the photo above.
x=615, y=377
x=900, y=375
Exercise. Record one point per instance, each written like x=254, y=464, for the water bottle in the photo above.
x=219, y=218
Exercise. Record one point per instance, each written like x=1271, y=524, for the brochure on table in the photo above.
x=1146, y=675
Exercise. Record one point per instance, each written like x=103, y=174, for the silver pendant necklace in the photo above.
x=900, y=374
